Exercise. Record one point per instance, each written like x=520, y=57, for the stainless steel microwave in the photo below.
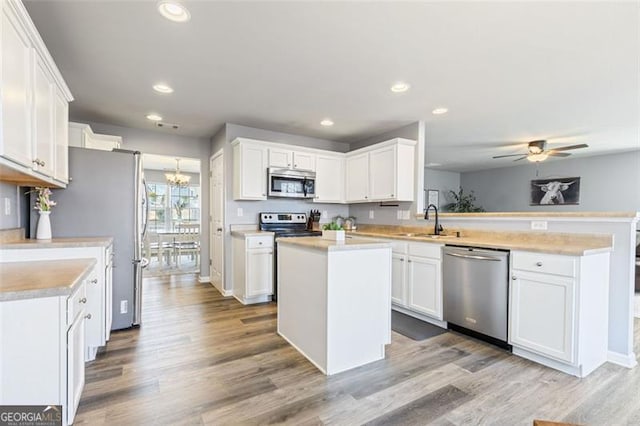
x=291, y=183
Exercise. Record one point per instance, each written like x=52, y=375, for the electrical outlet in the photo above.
x=124, y=306
x=371, y=214
x=7, y=206
x=240, y=212
x=540, y=225
x=399, y=215
x=406, y=214
x=325, y=214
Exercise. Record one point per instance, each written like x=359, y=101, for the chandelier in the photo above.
x=177, y=179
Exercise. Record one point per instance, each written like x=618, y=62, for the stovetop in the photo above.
x=286, y=224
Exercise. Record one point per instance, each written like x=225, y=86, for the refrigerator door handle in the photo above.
x=146, y=209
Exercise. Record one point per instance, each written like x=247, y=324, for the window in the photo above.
x=170, y=205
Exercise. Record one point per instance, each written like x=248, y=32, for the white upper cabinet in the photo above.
x=16, y=90
x=289, y=159
x=382, y=172
x=249, y=171
x=329, y=179
x=33, y=117
x=357, y=177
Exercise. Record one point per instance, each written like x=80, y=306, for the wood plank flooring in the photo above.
x=200, y=358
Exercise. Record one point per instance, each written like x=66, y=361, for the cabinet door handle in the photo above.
x=295, y=165
x=365, y=197
x=288, y=164
x=408, y=261
x=264, y=195
x=538, y=263
x=94, y=281
x=83, y=300
x=513, y=277
x=88, y=316
x=401, y=260
x=42, y=163
x=392, y=195
x=260, y=242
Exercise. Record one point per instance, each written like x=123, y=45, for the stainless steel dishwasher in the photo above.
x=476, y=291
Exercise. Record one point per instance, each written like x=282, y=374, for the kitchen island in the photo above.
x=334, y=300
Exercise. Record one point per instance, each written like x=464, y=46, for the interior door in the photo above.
x=217, y=219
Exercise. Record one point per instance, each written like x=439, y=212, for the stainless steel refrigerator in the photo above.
x=107, y=197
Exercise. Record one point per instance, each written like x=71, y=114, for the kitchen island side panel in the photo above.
x=302, y=296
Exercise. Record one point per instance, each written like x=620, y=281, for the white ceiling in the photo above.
x=509, y=72
x=164, y=162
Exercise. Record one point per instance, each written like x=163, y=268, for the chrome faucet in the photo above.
x=437, y=228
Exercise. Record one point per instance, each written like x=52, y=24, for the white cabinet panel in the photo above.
x=280, y=158
x=382, y=173
x=259, y=272
x=542, y=314
x=398, y=279
x=250, y=172
x=16, y=91
x=357, y=177
x=75, y=365
x=425, y=286
x=61, y=126
x=329, y=179
x=304, y=161
x=43, y=98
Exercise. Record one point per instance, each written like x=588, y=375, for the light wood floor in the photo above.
x=200, y=358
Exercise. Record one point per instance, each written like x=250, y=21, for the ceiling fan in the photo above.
x=538, y=153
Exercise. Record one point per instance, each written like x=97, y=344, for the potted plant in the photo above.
x=333, y=231
x=463, y=203
x=43, y=205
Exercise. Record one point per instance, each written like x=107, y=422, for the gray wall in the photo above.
x=608, y=183
x=443, y=181
x=165, y=143
x=222, y=139
x=10, y=191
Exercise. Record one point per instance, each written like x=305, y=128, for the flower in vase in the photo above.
x=43, y=203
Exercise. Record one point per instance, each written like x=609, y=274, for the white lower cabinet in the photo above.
x=43, y=350
x=425, y=286
x=399, y=279
x=99, y=287
x=558, y=310
x=252, y=266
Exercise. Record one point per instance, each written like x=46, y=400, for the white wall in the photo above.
x=221, y=140
x=608, y=183
x=165, y=143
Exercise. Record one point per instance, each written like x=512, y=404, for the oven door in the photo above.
x=291, y=183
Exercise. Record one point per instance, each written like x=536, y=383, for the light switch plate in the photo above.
x=325, y=214
x=399, y=215
x=240, y=212
x=7, y=206
x=540, y=225
x=124, y=306
x=406, y=214
x=372, y=214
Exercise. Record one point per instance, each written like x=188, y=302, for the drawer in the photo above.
x=399, y=247
x=259, y=242
x=76, y=302
x=433, y=251
x=544, y=263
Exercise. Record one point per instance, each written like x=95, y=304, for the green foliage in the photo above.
x=332, y=227
x=463, y=203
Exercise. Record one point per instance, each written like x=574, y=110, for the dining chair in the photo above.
x=187, y=241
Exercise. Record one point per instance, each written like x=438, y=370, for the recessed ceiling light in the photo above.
x=154, y=117
x=439, y=111
x=400, y=87
x=173, y=11
x=327, y=122
x=162, y=88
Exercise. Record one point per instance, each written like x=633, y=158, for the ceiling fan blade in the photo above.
x=557, y=154
x=521, y=158
x=510, y=155
x=566, y=148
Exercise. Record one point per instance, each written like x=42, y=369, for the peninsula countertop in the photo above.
x=318, y=243
x=250, y=233
x=548, y=242
x=42, y=278
x=58, y=243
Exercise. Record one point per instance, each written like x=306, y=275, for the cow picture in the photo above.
x=558, y=191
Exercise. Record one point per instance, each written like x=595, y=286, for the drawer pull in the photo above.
x=94, y=281
x=513, y=277
x=538, y=263
x=260, y=242
x=83, y=300
x=88, y=316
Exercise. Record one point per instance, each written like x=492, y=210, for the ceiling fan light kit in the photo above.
x=537, y=152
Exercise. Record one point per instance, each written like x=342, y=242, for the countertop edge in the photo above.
x=50, y=292
x=68, y=243
x=336, y=246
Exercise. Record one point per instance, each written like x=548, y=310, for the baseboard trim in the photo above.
x=204, y=279
x=422, y=317
x=222, y=291
x=625, y=360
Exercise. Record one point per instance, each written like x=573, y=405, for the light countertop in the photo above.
x=58, y=243
x=548, y=242
x=42, y=278
x=320, y=243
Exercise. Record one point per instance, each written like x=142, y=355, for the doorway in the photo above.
x=216, y=183
x=172, y=241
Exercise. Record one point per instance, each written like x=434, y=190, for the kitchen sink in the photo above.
x=423, y=235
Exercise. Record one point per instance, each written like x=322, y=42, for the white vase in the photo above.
x=43, y=231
